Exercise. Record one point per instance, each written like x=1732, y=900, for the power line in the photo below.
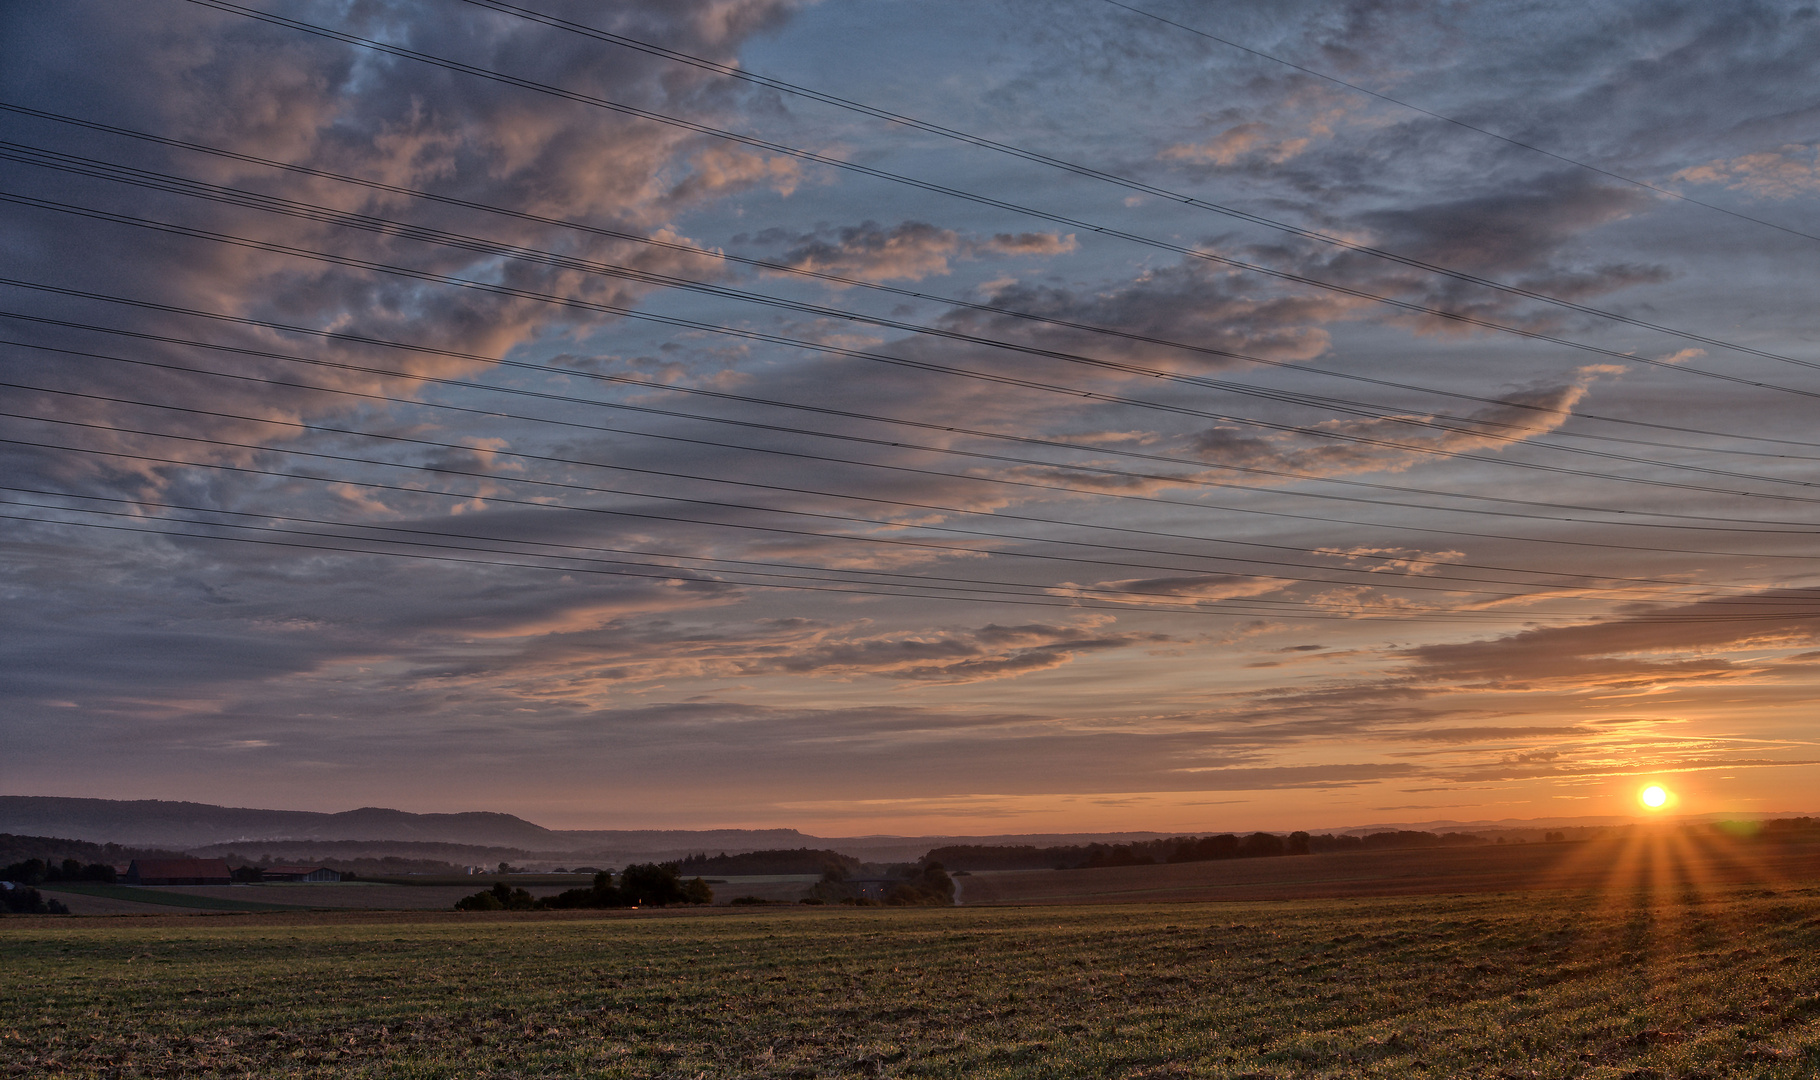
x=830, y=574
x=722, y=504
x=499, y=289
x=1471, y=426
x=1116, y=179
x=958, y=302
x=712, y=503
x=873, y=589
x=1383, y=559
x=823, y=159
x=823, y=410
x=1438, y=586
x=1464, y=124
x=572, y=569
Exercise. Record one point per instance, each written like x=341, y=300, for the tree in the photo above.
x=930, y=887
x=832, y=888
x=480, y=901
x=652, y=884
x=1260, y=845
x=30, y=902
x=28, y=872
x=601, y=894
x=501, y=897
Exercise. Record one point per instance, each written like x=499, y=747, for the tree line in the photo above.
x=638, y=885
x=15, y=848
x=1180, y=849
x=39, y=871
x=775, y=861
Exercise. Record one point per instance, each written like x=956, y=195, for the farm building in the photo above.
x=298, y=873
x=179, y=872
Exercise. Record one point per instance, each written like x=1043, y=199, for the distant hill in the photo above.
x=187, y=824
x=192, y=825
x=479, y=837
x=475, y=837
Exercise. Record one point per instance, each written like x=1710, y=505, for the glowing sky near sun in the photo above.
x=819, y=496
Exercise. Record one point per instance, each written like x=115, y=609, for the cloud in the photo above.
x=1293, y=124
x=1784, y=173
x=1190, y=302
x=1686, y=643
x=1196, y=588
x=1239, y=141
x=1412, y=561
x=720, y=170
x=650, y=651
x=908, y=251
x=1519, y=228
x=1300, y=777
x=1028, y=243
x=1393, y=444
x=251, y=88
x=156, y=652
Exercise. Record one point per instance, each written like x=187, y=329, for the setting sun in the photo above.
x=1654, y=796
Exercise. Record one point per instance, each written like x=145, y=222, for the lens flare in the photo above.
x=1654, y=796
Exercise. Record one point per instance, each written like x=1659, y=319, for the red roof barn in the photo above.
x=179, y=872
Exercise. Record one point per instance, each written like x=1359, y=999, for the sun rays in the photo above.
x=1657, y=861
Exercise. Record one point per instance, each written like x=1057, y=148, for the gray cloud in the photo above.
x=914, y=672
x=908, y=251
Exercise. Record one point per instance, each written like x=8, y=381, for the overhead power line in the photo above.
x=769, y=266
x=843, y=281
x=676, y=475
x=822, y=347
x=1457, y=122
x=1452, y=567
x=410, y=537
x=1324, y=519
x=1128, y=183
x=571, y=564
x=1470, y=426
x=1128, y=598
x=834, y=162
x=568, y=565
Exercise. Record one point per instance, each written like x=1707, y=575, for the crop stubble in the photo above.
x=1539, y=985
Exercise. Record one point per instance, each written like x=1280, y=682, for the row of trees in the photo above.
x=775, y=861
x=1180, y=849
x=39, y=871
x=54, y=850
x=639, y=885
x=1175, y=849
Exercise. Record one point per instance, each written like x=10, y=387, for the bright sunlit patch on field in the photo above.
x=1655, y=796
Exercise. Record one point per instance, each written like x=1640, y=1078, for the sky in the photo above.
x=935, y=417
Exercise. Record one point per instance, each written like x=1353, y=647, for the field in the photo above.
x=1661, y=860
x=1656, y=982
x=421, y=895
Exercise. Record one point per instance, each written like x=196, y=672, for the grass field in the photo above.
x=1637, y=984
x=161, y=897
